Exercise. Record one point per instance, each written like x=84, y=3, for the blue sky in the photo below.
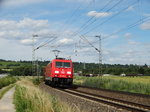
x=61, y=19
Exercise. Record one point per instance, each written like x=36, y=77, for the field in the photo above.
x=128, y=84
x=11, y=64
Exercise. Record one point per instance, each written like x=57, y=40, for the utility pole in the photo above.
x=38, y=67
x=100, y=55
x=33, y=55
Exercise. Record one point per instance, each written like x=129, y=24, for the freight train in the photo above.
x=59, y=72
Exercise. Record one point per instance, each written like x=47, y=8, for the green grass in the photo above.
x=5, y=81
x=5, y=89
x=128, y=84
x=37, y=80
x=29, y=98
x=4, y=64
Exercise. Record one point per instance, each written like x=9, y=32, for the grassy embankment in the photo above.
x=5, y=84
x=128, y=84
x=29, y=98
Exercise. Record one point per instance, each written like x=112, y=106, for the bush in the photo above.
x=5, y=81
x=22, y=71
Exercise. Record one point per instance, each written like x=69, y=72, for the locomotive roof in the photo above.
x=61, y=60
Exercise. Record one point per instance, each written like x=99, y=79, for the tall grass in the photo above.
x=29, y=98
x=5, y=81
x=115, y=83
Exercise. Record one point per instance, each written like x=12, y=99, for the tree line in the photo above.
x=85, y=68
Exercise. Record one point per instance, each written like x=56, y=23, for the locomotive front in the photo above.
x=60, y=72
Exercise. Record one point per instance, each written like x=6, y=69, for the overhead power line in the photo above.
x=86, y=24
x=110, y=18
x=44, y=44
x=93, y=17
x=129, y=26
x=76, y=33
x=67, y=21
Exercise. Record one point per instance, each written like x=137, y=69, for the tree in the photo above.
x=22, y=71
x=141, y=70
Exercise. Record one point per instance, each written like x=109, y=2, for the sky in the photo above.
x=72, y=27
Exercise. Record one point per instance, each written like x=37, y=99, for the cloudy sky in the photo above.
x=124, y=26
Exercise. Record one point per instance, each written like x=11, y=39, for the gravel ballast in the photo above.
x=84, y=105
x=136, y=98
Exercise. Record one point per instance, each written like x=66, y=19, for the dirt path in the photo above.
x=6, y=103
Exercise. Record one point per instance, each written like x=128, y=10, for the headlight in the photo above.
x=69, y=76
x=68, y=72
x=56, y=71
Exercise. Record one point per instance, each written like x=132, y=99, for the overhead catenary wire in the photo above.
x=79, y=16
x=76, y=33
x=110, y=18
x=129, y=26
x=93, y=17
x=101, y=9
x=68, y=21
x=125, y=28
x=44, y=44
x=84, y=26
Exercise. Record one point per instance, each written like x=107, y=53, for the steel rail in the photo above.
x=133, y=107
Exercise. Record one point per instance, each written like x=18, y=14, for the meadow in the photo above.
x=127, y=84
x=11, y=64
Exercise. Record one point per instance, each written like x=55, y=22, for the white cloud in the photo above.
x=13, y=3
x=10, y=29
x=12, y=35
x=26, y=23
x=7, y=25
x=145, y=26
x=130, y=8
x=32, y=24
x=114, y=36
x=99, y=14
x=128, y=35
x=65, y=41
x=131, y=42
x=26, y=41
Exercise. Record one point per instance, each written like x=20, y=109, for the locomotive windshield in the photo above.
x=63, y=65
x=59, y=64
x=66, y=64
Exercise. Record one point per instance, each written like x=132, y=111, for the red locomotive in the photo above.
x=59, y=72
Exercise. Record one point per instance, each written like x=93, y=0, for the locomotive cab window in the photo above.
x=59, y=64
x=63, y=64
x=66, y=64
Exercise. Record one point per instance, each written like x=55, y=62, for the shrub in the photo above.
x=5, y=81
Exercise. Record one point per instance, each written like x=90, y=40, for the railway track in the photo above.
x=113, y=102
x=130, y=106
